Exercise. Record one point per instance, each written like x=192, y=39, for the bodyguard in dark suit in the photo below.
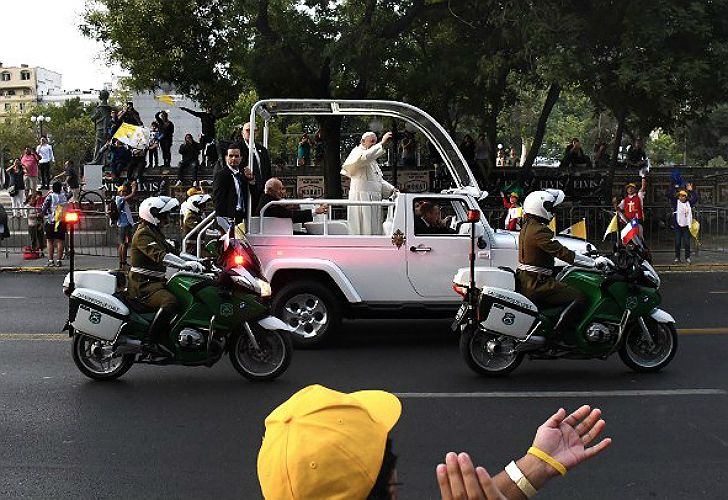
x=230, y=187
x=258, y=173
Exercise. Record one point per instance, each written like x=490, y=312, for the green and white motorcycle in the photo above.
x=498, y=326
x=224, y=309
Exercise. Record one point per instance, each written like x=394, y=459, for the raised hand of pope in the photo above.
x=567, y=439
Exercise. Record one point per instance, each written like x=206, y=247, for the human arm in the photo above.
x=218, y=191
x=566, y=439
x=545, y=241
x=190, y=111
x=133, y=191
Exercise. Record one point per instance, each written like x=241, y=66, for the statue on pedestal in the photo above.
x=102, y=119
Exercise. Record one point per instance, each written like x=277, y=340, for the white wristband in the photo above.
x=517, y=476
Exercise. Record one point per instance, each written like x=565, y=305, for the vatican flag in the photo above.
x=132, y=135
x=695, y=229
x=613, y=227
x=577, y=230
x=166, y=99
x=552, y=225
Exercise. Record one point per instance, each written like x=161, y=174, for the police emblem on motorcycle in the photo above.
x=94, y=318
x=509, y=318
x=226, y=310
x=631, y=302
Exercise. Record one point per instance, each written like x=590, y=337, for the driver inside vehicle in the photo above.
x=150, y=252
x=429, y=219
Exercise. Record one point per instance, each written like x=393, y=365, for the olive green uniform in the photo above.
x=537, y=248
x=148, y=248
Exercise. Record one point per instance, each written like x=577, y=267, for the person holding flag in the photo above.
x=683, y=223
x=515, y=211
x=632, y=206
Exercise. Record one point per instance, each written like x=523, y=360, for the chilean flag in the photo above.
x=629, y=231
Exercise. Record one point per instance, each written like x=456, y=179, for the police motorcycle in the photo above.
x=224, y=308
x=498, y=326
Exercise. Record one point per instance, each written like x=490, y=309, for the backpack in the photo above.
x=112, y=211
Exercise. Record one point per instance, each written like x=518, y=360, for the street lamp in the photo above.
x=39, y=120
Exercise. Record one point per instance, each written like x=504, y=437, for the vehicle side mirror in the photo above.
x=482, y=244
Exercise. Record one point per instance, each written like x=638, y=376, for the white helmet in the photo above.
x=194, y=203
x=153, y=207
x=542, y=203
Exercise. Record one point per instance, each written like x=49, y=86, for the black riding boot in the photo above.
x=159, y=324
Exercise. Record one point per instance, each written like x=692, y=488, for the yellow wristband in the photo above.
x=548, y=459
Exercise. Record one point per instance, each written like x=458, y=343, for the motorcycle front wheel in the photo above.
x=649, y=354
x=266, y=361
x=487, y=353
x=95, y=359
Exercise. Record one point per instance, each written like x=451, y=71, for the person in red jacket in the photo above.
x=515, y=212
x=632, y=206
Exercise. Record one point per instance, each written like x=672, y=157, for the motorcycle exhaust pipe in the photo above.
x=531, y=343
x=125, y=345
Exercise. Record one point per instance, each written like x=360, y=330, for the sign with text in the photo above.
x=310, y=186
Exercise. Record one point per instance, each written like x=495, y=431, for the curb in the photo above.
x=42, y=269
x=685, y=268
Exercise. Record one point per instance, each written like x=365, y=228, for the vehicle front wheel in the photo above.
x=264, y=361
x=649, y=353
x=95, y=358
x=310, y=308
x=489, y=354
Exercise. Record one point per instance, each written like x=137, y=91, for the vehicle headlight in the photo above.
x=265, y=290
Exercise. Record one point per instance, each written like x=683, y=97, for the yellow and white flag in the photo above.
x=695, y=229
x=552, y=225
x=166, y=99
x=133, y=135
x=613, y=227
x=577, y=230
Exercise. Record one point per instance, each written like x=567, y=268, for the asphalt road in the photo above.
x=170, y=432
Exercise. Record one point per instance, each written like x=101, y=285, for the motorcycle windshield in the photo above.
x=241, y=253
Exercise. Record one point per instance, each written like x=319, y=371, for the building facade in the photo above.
x=22, y=86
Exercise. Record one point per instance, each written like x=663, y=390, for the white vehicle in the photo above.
x=321, y=273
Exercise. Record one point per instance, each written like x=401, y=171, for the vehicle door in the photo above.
x=436, y=249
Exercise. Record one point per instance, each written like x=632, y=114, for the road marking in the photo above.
x=719, y=292
x=703, y=331
x=561, y=394
x=34, y=336
x=10, y=297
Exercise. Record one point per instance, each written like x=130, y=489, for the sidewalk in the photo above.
x=15, y=263
x=705, y=260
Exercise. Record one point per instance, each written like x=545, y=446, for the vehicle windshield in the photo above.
x=240, y=253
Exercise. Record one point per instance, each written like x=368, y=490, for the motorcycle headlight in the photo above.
x=265, y=290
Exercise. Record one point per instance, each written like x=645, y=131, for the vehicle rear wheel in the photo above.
x=268, y=360
x=489, y=354
x=649, y=353
x=310, y=309
x=96, y=360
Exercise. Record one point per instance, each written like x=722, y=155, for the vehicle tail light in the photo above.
x=238, y=260
x=71, y=217
x=460, y=290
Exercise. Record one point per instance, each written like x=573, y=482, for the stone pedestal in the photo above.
x=93, y=177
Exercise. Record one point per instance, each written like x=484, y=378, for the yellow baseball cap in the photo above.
x=631, y=184
x=322, y=443
x=682, y=193
x=514, y=194
x=193, y=191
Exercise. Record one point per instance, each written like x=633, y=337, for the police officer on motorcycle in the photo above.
x=150, y=254
x=537, y=250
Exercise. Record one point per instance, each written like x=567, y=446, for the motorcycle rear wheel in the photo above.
x=269, y=361
x=485, y=359
x=640, y=356
x=93, y=359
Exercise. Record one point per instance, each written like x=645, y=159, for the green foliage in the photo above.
x=664, y=150
x=717, y=162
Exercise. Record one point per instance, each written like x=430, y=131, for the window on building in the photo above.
x=5, y=76
x=11, y=92
x=7, y=106
x=21, y=106
x=25, y=75
x=26, y=91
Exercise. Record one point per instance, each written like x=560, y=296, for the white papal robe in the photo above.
x=367, y=184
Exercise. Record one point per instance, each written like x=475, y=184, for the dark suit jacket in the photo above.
x=282, y=212
x=262, y=171
x=224, y=194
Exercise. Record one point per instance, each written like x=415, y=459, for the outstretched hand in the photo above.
x=459, y=480
x=567, y=439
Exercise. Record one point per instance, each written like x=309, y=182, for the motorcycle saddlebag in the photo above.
x=97, y=314
x=506, y=312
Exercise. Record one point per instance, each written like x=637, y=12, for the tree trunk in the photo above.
x=331, y=130
x=621, y=118
x=548, y=106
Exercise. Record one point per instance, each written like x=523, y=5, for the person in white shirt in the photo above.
x=683, y=221
x=367, y=184
x=45, y=151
